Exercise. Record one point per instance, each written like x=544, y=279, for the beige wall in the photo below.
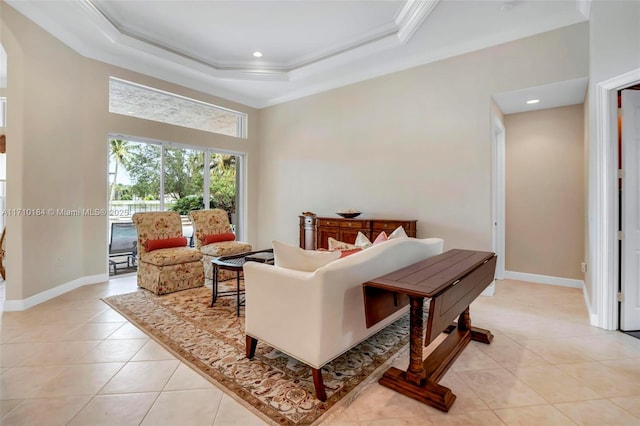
x=413, y=144
x=57, y=132
x=544, y=200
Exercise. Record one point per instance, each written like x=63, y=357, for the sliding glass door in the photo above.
x=155, y=176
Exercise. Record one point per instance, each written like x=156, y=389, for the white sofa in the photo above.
x=317, y=316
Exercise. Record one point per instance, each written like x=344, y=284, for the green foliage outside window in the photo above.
x=183, y=176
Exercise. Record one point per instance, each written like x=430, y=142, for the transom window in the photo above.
x=140, y=101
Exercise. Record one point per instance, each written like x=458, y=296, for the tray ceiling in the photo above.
x=308, y=46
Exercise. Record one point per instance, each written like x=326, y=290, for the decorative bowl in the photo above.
x=349, y=215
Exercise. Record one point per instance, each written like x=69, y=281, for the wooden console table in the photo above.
x=315, y=231
x=452, y=281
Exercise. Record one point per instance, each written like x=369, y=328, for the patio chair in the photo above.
x=123, y=243
x=213, y=237
x=165, y=263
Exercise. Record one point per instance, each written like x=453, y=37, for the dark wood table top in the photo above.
x=431, y=276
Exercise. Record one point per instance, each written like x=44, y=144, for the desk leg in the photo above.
x=420, y=381
x=415, y=372
x=478, y=334
x=214, y=291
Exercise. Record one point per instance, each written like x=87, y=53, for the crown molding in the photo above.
x=102, y=23
x=411, y=16
x=361, y=58
x=350, y=45
x=118, y=40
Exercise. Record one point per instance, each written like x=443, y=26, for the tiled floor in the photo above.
x=73, y=360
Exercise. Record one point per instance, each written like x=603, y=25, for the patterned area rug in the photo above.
x=273, y=385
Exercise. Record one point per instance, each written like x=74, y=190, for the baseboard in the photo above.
x=593, y=318
x=36, y=299
x=544, y=279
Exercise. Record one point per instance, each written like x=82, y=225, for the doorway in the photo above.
x=603, y=203
x=629, y=205
x=498, y=183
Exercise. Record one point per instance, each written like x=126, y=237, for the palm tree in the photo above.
x=119, y=150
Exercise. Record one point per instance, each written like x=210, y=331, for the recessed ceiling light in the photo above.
x=533, y=101
x=257, y=54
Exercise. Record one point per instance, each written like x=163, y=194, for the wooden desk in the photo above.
x=452, y=281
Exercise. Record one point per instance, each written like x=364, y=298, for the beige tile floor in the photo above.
x=73, y=360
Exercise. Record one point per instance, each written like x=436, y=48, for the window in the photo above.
x=155, y=176
x=139, y=101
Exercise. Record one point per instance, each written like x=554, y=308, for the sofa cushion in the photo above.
x=293, y=257
x=217, y=238
x=225, y=248
x=164, y=243
x=171, y=256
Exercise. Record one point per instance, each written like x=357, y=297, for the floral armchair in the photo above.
x=165, y=263
x=213, y=237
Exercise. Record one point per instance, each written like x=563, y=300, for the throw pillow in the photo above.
x=151, y=245
x=362, y=241
x=382, y=237
x=339, y=245
x=216, y=238
x=345, y=253
x=293, y=257
x=397, y=233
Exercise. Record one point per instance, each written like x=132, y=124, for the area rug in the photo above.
x=276, y=387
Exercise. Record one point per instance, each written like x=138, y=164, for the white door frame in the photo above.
x=603, y=202
x=498, y=184
x=630, y=202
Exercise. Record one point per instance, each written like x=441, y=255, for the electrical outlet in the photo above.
x=583, y=267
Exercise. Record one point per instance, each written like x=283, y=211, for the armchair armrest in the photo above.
x=283, y=309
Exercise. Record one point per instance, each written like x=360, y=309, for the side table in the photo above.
x=451, y=280
x=235, y=262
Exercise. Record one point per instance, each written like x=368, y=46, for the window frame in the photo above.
x=242, y=117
